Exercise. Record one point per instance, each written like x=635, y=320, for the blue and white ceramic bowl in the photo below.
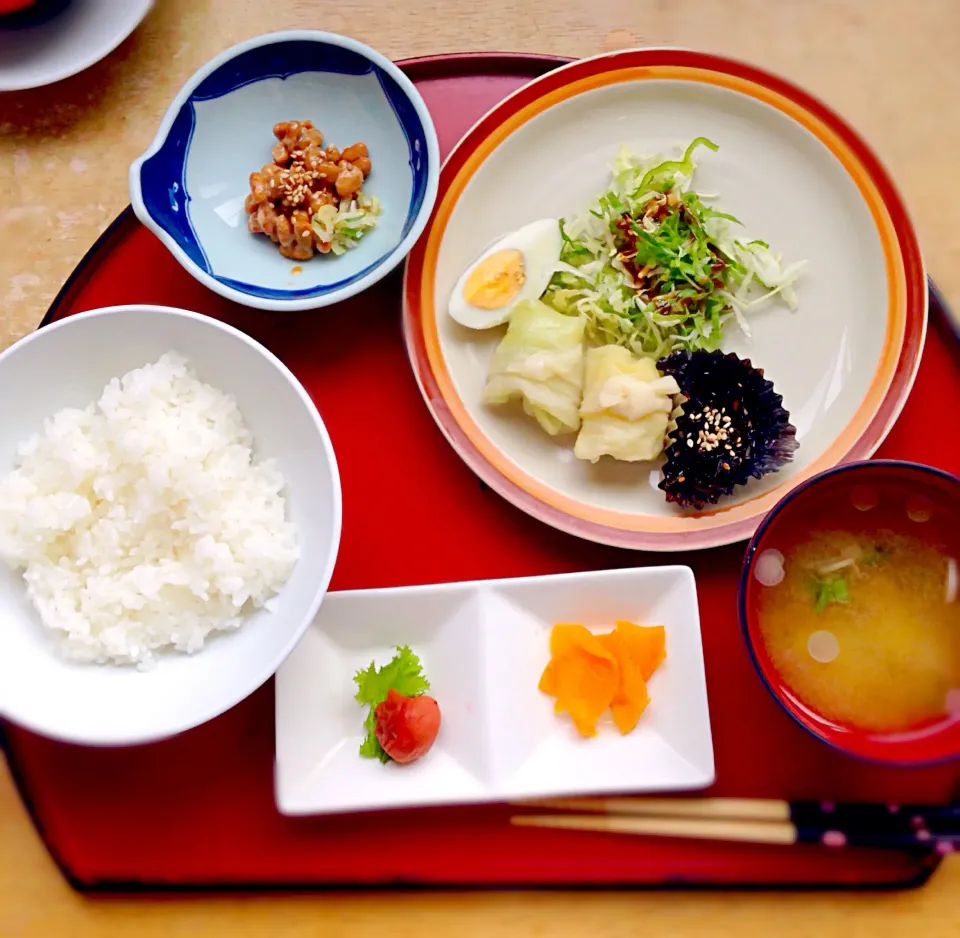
x=190, y=185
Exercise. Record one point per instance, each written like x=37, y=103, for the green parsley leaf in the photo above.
x=370, y=748
x=830, y=590
x=404, y=674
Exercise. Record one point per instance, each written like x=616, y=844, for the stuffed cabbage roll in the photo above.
x=540, y=361
x=626, y=406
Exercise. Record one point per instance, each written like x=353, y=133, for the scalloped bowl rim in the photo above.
x=387, y=264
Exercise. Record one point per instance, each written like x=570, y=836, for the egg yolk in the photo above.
x=495, y=281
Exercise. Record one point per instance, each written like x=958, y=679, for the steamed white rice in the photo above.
x=144, y=522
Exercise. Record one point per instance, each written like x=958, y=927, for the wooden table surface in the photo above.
x=892, y=69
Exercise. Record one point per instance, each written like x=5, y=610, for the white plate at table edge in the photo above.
x=84, y=50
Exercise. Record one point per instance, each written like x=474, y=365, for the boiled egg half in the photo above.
x=518, y=267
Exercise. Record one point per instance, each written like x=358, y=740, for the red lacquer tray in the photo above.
x=197, y=812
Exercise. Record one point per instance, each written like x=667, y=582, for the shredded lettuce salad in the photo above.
x=653, y=267
x=343, y=226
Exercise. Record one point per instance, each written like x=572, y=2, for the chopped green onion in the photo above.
x=684, y=166
x=829, y=590
x=656, y=268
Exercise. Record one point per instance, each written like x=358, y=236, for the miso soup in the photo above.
x=864, y=628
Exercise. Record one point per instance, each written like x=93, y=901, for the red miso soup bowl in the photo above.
x=858, y=498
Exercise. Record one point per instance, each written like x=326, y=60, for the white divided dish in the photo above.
x=483, y=646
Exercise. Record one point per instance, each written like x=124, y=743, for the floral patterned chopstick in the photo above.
x=757, y=821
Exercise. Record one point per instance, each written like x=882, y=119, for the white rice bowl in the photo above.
x=47, y=681
x=143, y=521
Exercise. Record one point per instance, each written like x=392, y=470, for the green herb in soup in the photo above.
x=827, y=591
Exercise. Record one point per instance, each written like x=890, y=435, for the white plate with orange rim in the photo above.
x=792, y=170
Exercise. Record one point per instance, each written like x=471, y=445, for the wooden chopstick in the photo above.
x=757, y=832
x=734, y=809
x=758, y=821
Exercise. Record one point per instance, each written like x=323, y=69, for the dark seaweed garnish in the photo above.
x=731, y=427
